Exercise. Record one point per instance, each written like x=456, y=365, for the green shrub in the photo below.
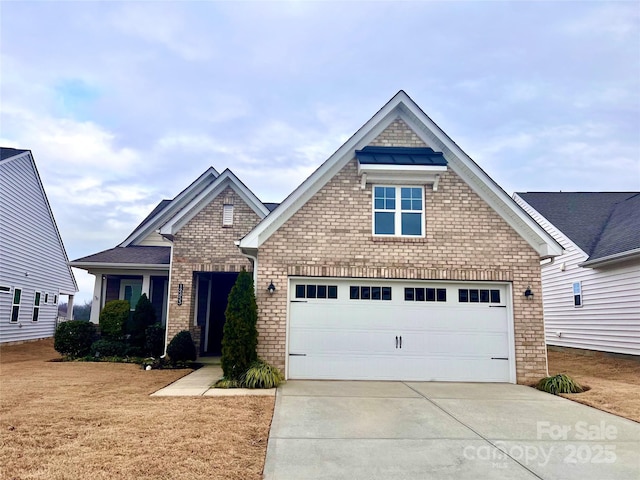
x=108, y=348
x=227, y=383
x=262, y=375
x=240, y=335
x=73, y=339
x=154, y=343
x=113, y=319
x=559, y=384
x=181, y=348
x=143, y=316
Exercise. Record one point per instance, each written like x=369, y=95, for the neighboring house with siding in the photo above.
x=591, y=293
x=398, y=258
x=34, y=269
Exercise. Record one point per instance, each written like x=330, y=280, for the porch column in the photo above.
x=96, y=302
x=70, y=308
x=146, y=285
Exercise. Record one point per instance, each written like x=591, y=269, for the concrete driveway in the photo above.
x=406, y=430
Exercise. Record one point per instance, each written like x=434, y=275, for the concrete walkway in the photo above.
x=398, y=430
x=198, y=384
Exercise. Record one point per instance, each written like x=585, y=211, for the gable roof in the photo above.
x=6, y=153
x=204, y=197
x=163, y=212
x=14, y=154
x=604, y=225
x=403, y=107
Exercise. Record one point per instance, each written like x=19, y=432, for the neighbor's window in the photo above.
x=15, y=308
x=46, y=298
x=577, y=294
x=227, y=215
x=398, y=211
x=4, y=289
x=36, y=307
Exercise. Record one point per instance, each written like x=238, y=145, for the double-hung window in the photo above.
x=398, y=211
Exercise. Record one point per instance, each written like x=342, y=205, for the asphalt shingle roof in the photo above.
x=135, y=255
x=600, y=223
x=400, y=156
x=10, y=152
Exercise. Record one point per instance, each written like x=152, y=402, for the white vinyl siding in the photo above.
x=609, y=318
x=32, y=256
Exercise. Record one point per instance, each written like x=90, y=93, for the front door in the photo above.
x=221, y=284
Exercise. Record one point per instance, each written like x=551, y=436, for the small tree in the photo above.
x=240, y=335
x=143, y=316
x=113, y=318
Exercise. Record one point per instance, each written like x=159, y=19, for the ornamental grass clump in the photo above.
x=262, y=375
x=560, y=383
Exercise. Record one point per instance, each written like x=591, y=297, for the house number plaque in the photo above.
x=180, y=291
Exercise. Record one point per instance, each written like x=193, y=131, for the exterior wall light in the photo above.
x=528, y=293
x=271, y=288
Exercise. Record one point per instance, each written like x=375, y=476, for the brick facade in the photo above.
x=331, y=235
x=204, y=245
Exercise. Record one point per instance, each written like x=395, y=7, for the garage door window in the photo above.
x=478, y=296
x=357, y=292
x=316, y=291
x=425, y=294
x=398, y=211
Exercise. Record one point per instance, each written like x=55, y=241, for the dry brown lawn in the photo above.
x=614, y=381
x=78, y=420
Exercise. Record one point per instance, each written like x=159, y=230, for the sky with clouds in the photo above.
x=125, y=103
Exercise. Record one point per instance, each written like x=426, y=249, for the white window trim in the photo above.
x=36, y=306
x=130, y=282
x=227, y=215
x=573, y=296
x=397, y=213
x=13, y=305
x=4, y=287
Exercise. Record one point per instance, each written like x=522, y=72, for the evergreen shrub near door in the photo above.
x=113, y=319
x=181, y=348
x=143, y=317
x=240, y=334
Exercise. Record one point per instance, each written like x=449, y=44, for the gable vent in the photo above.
x=227, y=215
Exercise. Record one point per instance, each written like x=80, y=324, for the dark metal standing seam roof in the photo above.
x=400, y=156
x=134, y=255
x=600, y=223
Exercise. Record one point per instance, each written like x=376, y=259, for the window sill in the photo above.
x=398, y=239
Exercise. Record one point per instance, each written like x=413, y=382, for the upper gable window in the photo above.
x=398, y=211
x=227, y=215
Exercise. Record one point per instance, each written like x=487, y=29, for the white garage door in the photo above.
x=399, y=330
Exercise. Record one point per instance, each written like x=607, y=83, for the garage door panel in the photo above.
x=355, y=338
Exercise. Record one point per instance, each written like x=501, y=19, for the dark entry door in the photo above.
x=221, y=284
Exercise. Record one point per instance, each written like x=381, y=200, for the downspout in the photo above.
x=254, y=259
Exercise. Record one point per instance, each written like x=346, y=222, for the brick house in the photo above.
x=398, y=258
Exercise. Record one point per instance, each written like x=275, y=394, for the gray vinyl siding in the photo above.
x=32, y=256
x=609, y=319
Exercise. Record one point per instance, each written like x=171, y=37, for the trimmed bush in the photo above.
x=240, y=335
x=108, y=348
x=143, y=316
x=559, y=384
x=181, y=348
x=154, y=340
x=262, y=375
x=113, y=319
x=73, y=339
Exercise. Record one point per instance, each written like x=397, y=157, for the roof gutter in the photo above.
x=616, y=257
